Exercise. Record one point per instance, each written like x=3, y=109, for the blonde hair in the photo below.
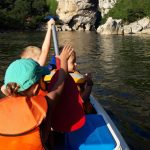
x=32, y=52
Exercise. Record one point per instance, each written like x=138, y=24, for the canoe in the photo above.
x=117, y=137
x=98, y=133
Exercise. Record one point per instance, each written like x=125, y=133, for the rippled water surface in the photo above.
x=120, y=66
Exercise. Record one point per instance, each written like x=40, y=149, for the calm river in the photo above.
x=120, y=66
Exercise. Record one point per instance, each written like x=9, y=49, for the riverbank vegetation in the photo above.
x=52, y=4
x=130, y=10
x=25, y=14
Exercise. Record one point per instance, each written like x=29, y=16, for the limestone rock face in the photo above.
x=66, y=10
x=78, y=14
x=112, y=26
x=115, y=26
x=145, y=31
x=106, y=5
x=137, y=26
x=132, y=28
x=145, y=23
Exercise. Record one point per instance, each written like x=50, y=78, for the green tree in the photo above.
x=39, y=7
x=52, y=4
x=19, y=13
x=22, y=14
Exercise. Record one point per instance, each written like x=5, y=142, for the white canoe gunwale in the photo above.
x=120, y=142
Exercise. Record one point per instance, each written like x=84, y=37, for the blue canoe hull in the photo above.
x=98, y=133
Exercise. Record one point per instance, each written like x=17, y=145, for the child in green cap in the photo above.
x=35, y=53
x=25, y=113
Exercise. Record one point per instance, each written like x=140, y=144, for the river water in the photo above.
x=120, y=66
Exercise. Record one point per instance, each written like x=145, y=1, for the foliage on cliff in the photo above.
x=52, y=4
x=130, y=10
x=24, y=14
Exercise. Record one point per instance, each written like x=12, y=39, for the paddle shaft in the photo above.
x=55, y=40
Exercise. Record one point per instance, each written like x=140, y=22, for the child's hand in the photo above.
x=50, y=23
x=66, y=52
x=88, y=79
x=4, y=90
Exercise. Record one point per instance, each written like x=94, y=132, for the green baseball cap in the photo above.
x=24, y=72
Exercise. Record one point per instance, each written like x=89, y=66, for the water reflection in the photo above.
x=120, y=66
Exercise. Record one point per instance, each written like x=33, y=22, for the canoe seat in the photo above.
x=94, y=135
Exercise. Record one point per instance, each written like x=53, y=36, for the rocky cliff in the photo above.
x=115, y=26
x=105, y=6
x=77, y=14
x=82, y=15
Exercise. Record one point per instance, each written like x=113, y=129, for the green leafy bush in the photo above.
x=135, y=14
x=24, y=14
x=52, y=6
x=130, y=10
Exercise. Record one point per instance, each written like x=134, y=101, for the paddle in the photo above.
x=68, y=115
x=55, y=41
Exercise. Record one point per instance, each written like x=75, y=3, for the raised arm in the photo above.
x=55, y=92
x=46, y=43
